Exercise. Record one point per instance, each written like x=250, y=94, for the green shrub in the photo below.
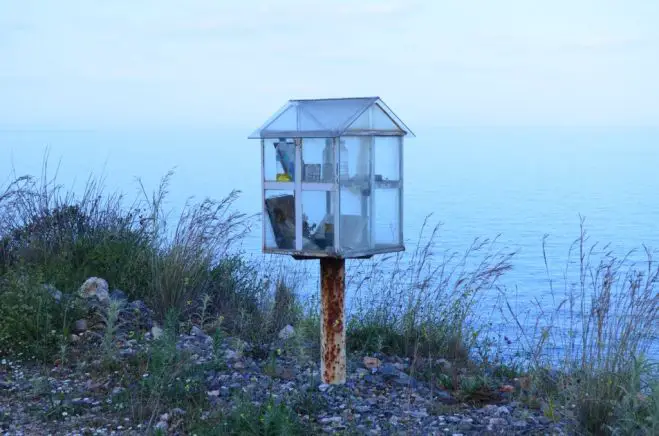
x=33, y=323
x=415, y=304
x=270, y=418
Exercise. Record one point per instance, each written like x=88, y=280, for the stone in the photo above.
x=502, y=410
x=389, y=371
x=519, y=424
x=323, y=387
x=371, y=362
x=419, y=414
x=232, y=356
x=287, y=333
x=445, y=397
x=285, y=372
x=196, y=331
x=498, y=421
x=95, y=287
x=331, y=420
x=162, y=426
x=156, y=332
x=80, y=326
x=507, y=388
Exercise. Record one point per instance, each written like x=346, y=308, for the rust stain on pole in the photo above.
x=332, y=326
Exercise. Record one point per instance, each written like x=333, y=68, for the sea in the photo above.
x=524, y=188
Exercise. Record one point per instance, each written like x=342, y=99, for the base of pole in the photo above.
x=332, y=325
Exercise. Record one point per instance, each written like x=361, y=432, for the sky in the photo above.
x=213, y=63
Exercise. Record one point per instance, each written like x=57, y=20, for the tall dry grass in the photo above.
x=422, y=301
x=593, y=354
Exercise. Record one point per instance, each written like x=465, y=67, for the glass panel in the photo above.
x=279, y=159
x=285, y=122
x=355, y=219
x=374, y=119
x=355, y=194
x=387, y=218
x=355, y=159
x=387, y=160
x=317, y=221
x=381, y=121
x=317, y=160
x=333, y=115
x=280, y=219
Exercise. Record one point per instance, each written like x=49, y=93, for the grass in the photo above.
x=602, y=378
x=420, y=305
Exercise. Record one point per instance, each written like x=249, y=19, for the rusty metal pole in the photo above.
x=332, y=325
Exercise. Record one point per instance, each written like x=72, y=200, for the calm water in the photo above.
x=519, y=183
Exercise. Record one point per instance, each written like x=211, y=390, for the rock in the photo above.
x=389, y=371
x=498, y=422
x=162, y=426
x=444, y=364
x=196, y=331
x=331, y=420
x=285, y=372
x=156, y=332
x=80, y=326
x=95, y=288
x=287, y=333
x=507, y=388
x=232, y=356
x=445, y=397
x=323, y=387
x=419, y=414
x=371, y=362
x=519, y=424
x=502, y=410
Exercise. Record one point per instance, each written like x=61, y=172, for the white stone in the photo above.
x=287, y=333
x=156, y=332
x=96, y=287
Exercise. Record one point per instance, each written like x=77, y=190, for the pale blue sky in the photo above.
x=205, y=63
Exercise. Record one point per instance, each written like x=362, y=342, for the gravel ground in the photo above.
x=380, y=398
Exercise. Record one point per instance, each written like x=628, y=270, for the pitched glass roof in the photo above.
x=330, y=118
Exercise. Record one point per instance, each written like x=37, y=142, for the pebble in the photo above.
x=379, y=397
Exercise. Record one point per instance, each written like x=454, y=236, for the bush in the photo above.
x=69, y=238
x=35, y=320
x=418, y=304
